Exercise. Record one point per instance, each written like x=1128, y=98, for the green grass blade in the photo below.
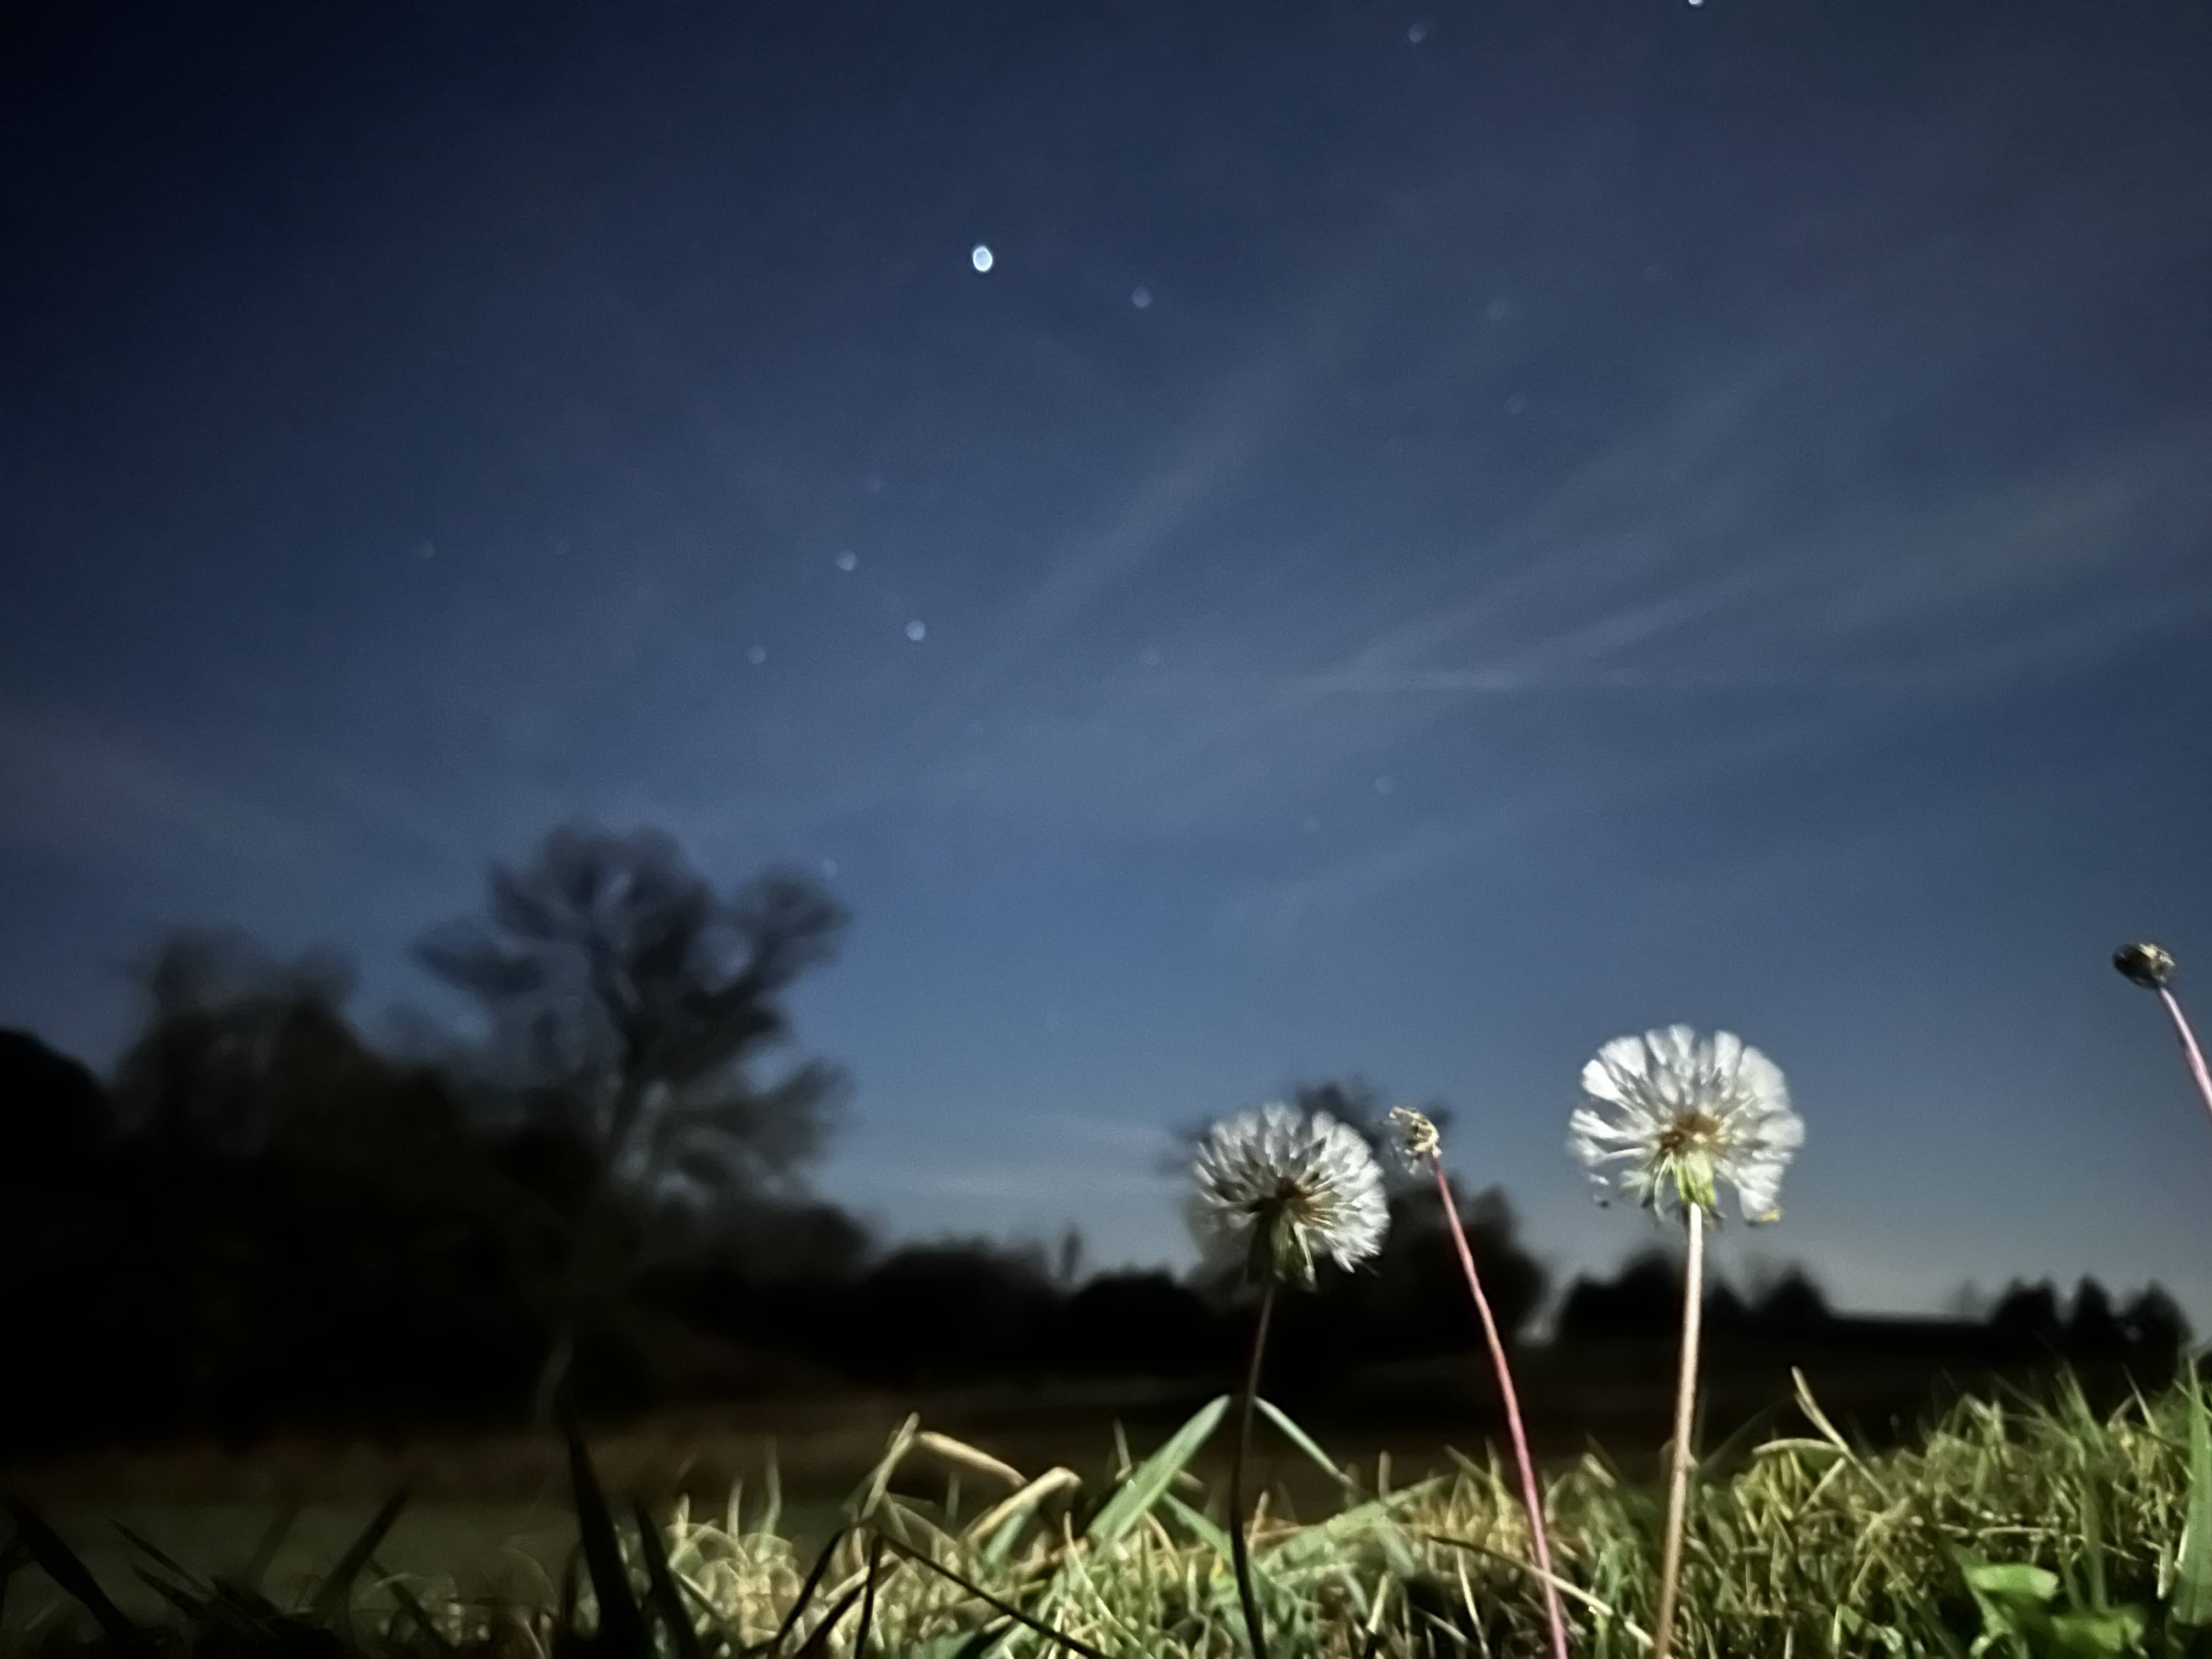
x=2092, y=1546
x=1154, y=1476
x=411, y=1605
x=819, y=1641
x=1006, y=1608
x=2192, y=1591
x=203, y=1613
x=1203, y=1529
x=331, y=1597
x=62, y=1565
x=621, y=1621
x=1310, y=1544
x=870, y=1492
x=806, y=1591
x=257, y=1566
x=868, y=1599
x=147, y=1547
x=773, y=1512
x=666, y=1600
x=1305, y=1442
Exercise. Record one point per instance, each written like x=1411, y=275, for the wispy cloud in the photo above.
x=86, y=787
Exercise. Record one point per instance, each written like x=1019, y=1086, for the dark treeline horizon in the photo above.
x=261, y=1221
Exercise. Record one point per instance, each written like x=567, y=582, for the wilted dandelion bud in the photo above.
x=2149, y=965
x=1678, y=1113
x=1416, y=1141
x=1278, y=1187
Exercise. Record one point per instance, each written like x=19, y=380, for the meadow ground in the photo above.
x=492, y=1516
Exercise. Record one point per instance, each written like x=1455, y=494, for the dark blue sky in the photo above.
x=1448, y=532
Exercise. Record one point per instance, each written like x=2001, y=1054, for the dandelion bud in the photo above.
x=2149, y=965
x=1416, y=1142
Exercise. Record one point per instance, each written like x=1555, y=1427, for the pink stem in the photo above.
x=1529, y=1493
x=2190, y=1052
x=1678, y=1484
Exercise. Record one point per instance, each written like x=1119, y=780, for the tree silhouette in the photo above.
x=1644, y=1298
x=51, y=1107
x=201, y=1070
x=2026, y=1315
x=1353, y=1101
x=283, y=1222
x=1792, y=1303
x=1137, y=1322
x=629, y=1003
x=2152, y=1319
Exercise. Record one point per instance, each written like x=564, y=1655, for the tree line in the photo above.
x=263, y=1220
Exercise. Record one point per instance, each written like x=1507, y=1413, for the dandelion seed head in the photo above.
x=1669, y=1114
x=1277, y=1187
x=2149, y=965
x=1416, y=1142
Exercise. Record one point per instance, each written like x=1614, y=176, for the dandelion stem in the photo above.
x=1529, y=1494
x=1686, y=1391
x=2191, y=1053
x=1236, y=1545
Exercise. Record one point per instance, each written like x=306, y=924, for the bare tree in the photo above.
x=629, y=1003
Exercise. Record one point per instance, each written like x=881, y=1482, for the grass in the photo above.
x=2014, y=1525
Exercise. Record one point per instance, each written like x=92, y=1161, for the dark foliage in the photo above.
x=1644, y=1301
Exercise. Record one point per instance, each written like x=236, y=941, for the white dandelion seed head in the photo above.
x=1414, y=1139
x=1669, y=1113
x=1276, y=1185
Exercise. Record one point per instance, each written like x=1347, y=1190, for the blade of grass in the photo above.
x=818, y=1639
x=1006, y=1608
x=665, y=1598
x=204, y=1612
x=862, y=1503
x=621, y=1621
x=62, y=1565
x=960, y=1452
x=1305, y=1442
x=330, y=1594
x=264, y=1552
x=806, y=1590
x=411, y=1605
x=774, y=1511
x=1308, y=1543
x=1203, y=1529
x=868, y=1600
x=146, y=1547
x=1143, y=1488
x=1000, y=1523
x=2192, y=1591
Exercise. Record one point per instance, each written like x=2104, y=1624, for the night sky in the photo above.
x=1445, y=533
